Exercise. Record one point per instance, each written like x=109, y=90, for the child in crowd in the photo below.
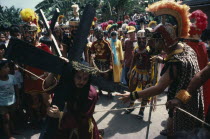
x=2, y=50
x=9, y=98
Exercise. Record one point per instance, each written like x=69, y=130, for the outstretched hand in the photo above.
x=157, y=59
x=125, y=98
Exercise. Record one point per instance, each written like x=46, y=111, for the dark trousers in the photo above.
x=50, y=128
x=208, y=118
x=126, y=75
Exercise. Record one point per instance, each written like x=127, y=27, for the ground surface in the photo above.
x=118, y=125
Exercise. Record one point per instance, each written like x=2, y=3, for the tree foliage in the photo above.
x=10, y=15
x=105, y=9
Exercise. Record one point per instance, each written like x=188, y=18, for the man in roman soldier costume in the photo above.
x=180, y=67
x=38, y=99
x=101, y=55
x=197, y=81
x=140, y=69
x=199, y=24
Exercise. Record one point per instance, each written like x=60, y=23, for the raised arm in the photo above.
x=199, y=79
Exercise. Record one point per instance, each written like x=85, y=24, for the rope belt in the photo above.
x=100, y=71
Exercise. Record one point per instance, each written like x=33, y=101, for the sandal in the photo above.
x=164, y=132
x=101, y=132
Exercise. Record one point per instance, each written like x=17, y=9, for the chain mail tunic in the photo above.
x=187, y=66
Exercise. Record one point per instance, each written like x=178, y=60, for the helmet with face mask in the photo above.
x=166, y=32
x=31, y=27
x=29, y=32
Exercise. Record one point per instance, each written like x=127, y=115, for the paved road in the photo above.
x=118, y=125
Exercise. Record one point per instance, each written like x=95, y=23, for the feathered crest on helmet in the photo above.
x=175, y=9
x=120, y=24
x=60, y=17
x=28, y=15
x=110, y=22
x=199, y=22
x=104, y=25
x=132, y=23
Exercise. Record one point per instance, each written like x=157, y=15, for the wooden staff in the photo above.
x=152, y=100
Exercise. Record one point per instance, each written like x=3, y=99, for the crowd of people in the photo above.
x=130, y=53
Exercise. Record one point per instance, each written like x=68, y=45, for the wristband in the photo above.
x=134, y=96
x=183, y=95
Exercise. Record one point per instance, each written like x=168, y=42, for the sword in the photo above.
x=55, y=44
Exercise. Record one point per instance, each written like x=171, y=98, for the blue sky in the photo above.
x=20, y=3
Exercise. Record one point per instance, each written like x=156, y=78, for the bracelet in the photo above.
x=134, y=96
x=183, y=95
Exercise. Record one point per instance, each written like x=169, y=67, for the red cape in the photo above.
x=35, y=86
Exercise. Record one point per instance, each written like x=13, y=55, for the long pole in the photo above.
x=149, y=119
x=152, y=100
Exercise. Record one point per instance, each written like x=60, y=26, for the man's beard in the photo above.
x=29, y=40
x=73, y=32
x=142, y=45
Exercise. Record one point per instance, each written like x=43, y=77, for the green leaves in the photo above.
x=48, y=6
x=105, y=9
x=9, y=15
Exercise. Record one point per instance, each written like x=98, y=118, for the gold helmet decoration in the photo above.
x=60, y=19
x=175, y=9
x=28, y=15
